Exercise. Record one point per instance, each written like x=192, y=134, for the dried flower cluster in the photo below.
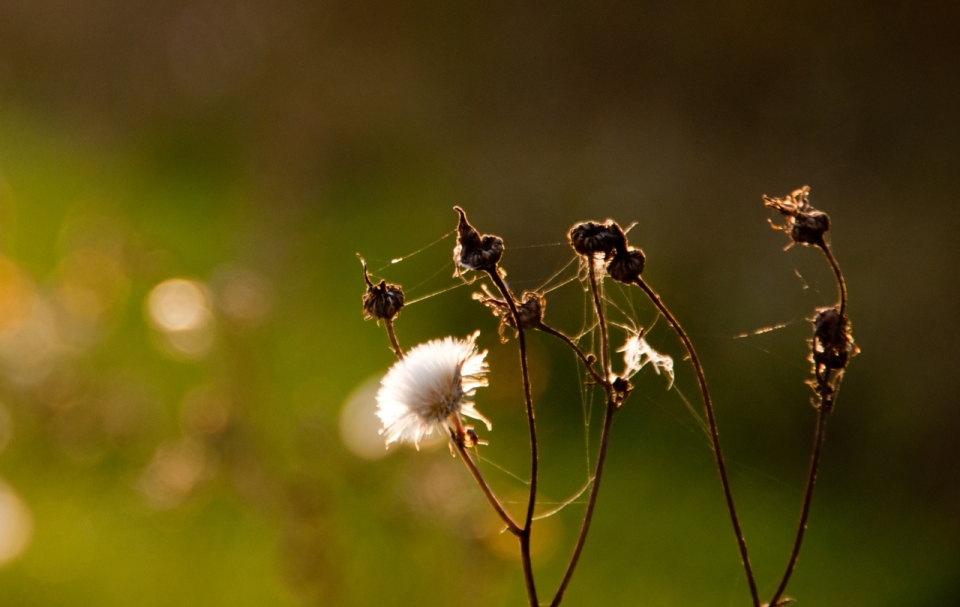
x=430, y=388
x=608, y=241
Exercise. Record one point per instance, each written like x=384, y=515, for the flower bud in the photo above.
x=473, y=251
x=380, y=300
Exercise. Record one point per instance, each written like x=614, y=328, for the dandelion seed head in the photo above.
x=429, y=390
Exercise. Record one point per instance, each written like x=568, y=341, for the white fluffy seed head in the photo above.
x=428, y=389
x=637, y=353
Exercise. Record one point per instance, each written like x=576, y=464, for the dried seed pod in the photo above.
x=473, y=251
x=804, y=224
x=530, y=310
x=382, y=300
x=590, y=238
x=832, y=343
x=622, y=389
x=809, y=228
x=627, y=265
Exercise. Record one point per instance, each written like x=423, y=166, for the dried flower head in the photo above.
x=530, y=309
x=591, y=238
x=380, y=300
x=805, y=224
x=608, y=239
x=637, y=353
x=428, y=390
x=473, y=251
x=832, y=340
x=627, y=265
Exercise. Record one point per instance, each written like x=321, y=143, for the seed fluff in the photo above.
x=429, y=389
x=637, y=353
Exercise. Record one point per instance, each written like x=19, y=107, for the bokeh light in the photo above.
x=16, y=524
x=179, y=305
x=187, y=387
x=359, y=424
x=181, y=310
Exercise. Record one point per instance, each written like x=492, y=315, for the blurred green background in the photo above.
x=186, y=379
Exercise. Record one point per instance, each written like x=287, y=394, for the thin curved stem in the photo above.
x=591, y=503
x=611, y=409
x=393, y=338
x=487, y=491
x=807, y=499
x=604, y=350
x=836, y=270
x=714, y=434
x=827, y=389
x=587, y=363
x=531, y=423
x=464, y=455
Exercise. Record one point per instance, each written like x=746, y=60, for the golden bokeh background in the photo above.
x=186, y=381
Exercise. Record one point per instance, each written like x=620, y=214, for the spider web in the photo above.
x=625, y=317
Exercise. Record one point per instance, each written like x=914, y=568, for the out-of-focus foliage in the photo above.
x=186, y=380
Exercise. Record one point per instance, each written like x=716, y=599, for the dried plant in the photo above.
x=429, y=388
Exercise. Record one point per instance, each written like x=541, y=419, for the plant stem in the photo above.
x=827, y=390
x=477, y=476
x=604, y=442
x=579, y=352
x=464, y=455
x=807, y=499
x=531, y=423
x=836, y=270
x=591, y=503
x=393, y=338
x=714, y=434
x=605, y=354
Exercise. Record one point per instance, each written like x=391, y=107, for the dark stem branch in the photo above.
x=714, y=434
x=587, y=362
x=477, y=476
x=604, y=350
x=601, y=455
x=807, y=499
x=836, y=270
x=827, y=389
x=531, y=423
x=393, y=338
x=512, y=526
x=591, y=503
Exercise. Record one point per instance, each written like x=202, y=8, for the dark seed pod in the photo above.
x=622, y=388
x=804, y=224
x=832, y=341
x=809, y=228
x=473, y=251
x=627, y=265
x=530, y=310
x=381, y=300
x=590, y=238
